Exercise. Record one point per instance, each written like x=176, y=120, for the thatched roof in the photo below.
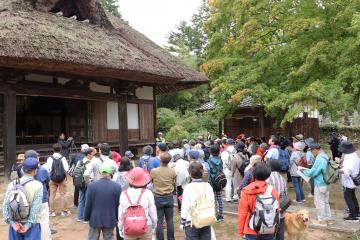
x=41, y=41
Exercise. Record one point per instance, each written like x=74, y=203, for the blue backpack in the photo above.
x=284, y=157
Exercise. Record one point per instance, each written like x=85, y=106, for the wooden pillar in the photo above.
x=155, y=114
x=9, y=128
x=262, y=122
x=220, y=128
x=123, y=124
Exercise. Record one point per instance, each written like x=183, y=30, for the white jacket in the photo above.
x=191, y=193
x=49, y=162
x=350, y=167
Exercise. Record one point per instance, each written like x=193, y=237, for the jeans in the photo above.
x=351, y=201
x=298, y=189
x=94, y=233
x=179, y=192
x=33, y=233
x=193, y=233
x=258, y=237
x=165, y=206
x=321, y=200
x=81, y=206
x=280, y=235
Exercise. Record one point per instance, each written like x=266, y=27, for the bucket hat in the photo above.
x=138, y=177
x=346, y=147
x=310, y=142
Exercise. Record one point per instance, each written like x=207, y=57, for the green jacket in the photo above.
x=318, y=169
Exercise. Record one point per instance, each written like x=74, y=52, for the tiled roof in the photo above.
x=247, y=102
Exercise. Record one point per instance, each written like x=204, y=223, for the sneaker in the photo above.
x=84, y=222
x=52, y=214
x=351, y=219
x=79, y=220
x=65, y=213
x=298, y=202
x=319, y=223
x=304, y=200
x=330, y=222
x=220, y=219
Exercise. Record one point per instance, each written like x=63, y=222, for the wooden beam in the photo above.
x=10, y=128
x=123, y=124
x=155, y=112
x=262, y=122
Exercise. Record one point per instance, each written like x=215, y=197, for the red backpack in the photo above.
x=135, y=221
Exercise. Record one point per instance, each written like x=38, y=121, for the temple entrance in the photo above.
x=39, y=120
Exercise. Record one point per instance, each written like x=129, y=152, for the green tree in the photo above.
x=285, y=54
x=112, y=7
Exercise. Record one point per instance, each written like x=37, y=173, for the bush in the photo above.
x=165, y=119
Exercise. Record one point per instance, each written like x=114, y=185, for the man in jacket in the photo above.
x=236, y=164
x=102, y=202
x=248, y=199
x=65, y=145
x=350, y=169
x=216, y=166
x=321, y=191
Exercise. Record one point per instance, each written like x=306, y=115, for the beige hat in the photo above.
x=298, y=138
x=253, y=160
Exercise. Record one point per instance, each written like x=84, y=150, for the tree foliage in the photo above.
x=112, y=7
x=285, y=54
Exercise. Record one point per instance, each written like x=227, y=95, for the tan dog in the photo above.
x=296, y=224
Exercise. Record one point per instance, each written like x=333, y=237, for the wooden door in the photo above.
x=146, y=121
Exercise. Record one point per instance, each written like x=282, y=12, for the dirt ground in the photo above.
x=69, y=229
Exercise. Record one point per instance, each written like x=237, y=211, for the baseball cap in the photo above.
x=129, y=154
x=30, y=163
x=31, y=154
x=194, y=154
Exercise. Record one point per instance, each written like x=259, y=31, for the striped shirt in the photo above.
x=278, y=182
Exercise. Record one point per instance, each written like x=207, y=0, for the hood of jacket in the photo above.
x=216, y=161
x=255, y=188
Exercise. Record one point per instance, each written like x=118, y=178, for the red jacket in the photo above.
x=247, y=201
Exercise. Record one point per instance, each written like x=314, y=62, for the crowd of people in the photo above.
x=112, y=192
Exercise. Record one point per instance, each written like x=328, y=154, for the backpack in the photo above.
x=79, y=170
x=147, y=164
x=19, y=207
x=265, y=218
x=219, y=182
x=228, y=161
x=57, y=173
x=284, y=157
x=203, y=211
x=332, y=172
x=243, y=166
x=135, y=221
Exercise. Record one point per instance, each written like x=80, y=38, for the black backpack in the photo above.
x=57, y=173
x=219, y=181
x=243, y=166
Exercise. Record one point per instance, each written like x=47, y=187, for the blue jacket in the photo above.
x=318, y=169
x=102, y=202
x=43, y=176
x=149, y=161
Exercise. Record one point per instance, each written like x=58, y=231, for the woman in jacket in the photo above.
x=192, y=193
x=138, y=180
x=248, y=200
x=236, y=163
x=295, y=158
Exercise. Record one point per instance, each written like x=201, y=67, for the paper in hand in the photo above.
x=301, y=174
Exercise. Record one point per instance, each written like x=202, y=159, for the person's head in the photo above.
x=261, y=172
x=218, y=142
x=57, y=148
x=89, y=153
x=62, y=136
x=165, y=158
x=138, y=177
x=240, y=147
x=31, y=153
x=193, y=155
x=160, y=134
x=254, y=160
x=175, y=144
x=215, y=150
x=198, y=146
x=196, y=170
x=346, y=147
x=30, y=166
x=230, y=142
x=125, y=165
x=20, y=158
x=192, y=143
x=275, y=165
x=284, y=143
x=84, y=147
x=161, y=148
x=148, y=150
x=201, y=154
x=274, y=140
x=104, y=149
x=129, y=154
x=299, y=146
x=106, y=170
x=315, y=147
x=252, y=140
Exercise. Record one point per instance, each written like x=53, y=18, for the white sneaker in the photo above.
x=65, y=213
x=52, y=214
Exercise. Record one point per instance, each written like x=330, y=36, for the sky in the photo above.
x=156, y=18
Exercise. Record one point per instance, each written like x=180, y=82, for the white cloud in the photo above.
x=156, y=18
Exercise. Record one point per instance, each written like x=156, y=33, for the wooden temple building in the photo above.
x=251, y=120
x=69, y=66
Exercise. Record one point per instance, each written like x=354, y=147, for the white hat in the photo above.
x=84, y=147
x=253, y=160
x=300, y=146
